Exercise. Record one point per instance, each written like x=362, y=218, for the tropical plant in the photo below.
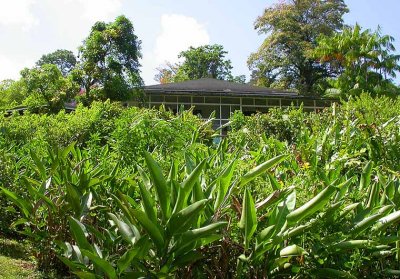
x=364, y=61
x=63, y=186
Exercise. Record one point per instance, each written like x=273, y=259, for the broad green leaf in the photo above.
x=311, y=206
x=373, y=195
x=280, y=212
x=188, y=258
x=185, y=247
x=260, y=169
x=126, y=259
x=86, y=203
x=124, y=205
x=160, y=185
x=275, y=197
x=151, y=228
x=343, y=187
x=300, y=229
x=365, y=223
x=68, y=149
x=348, y=209
x=23, y=204
x=223, y=183
x=145, y=178
x=182, y=220
x=73, y=196
x=248, y=220
x=187, y=186
x=366, y=176
x=41, y=170
x=74, y=266
x=352, y=244
x=387, y=221
x=79, y=233
x=148, y=203
x=274, y=183
x=77, y=253
x=292, y=250
x=102, y=264
x=196, y=234
x=128, y=234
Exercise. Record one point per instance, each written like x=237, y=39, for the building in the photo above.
x=209, y=95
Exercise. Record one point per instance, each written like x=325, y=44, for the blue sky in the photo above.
x=30, y=28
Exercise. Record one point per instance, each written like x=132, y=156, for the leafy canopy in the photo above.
x=201, y=62
x=364, y=61
x=65, y=60
x=12, y=93
x=110, y=60
x=292, y=28
x=45, y=85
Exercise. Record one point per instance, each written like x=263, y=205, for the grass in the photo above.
x=15, y=268
x=16, y=260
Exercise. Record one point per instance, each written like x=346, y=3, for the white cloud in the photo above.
x=10, y=68
x=64, y=24
x=17, y=13
x=69, y=21
x=94, y=10
x=178, y=33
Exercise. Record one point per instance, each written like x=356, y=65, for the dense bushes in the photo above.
x=115, y=192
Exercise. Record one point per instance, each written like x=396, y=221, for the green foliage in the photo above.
x=12, y=93
x=46, y=86
x=109, y=65
x=141, y=129
x=292, y=28
x=65, y=60
x=206, y=61
x=363, y=60
x=113, y=192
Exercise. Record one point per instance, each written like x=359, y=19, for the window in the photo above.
x=225, y=111
x=273, y=102
x=156, y=98
x=226, y=100
x=212, y=100
x=288, y=102
x=248, y=101
x=198, y=100
x=307, y=103
x=184, y=99
x=170, y=99
x=260, y=102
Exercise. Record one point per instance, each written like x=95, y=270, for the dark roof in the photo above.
x=214, y=86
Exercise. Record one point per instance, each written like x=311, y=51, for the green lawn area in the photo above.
x=16, y=260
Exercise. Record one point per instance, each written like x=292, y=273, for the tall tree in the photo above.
x=65, y=60
x=12, y=93
x=201, y=62
x=45, y=85
x=364, y=61
x=166, y=73
x=284, y=59
x=110, y=60
x=204, y=61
